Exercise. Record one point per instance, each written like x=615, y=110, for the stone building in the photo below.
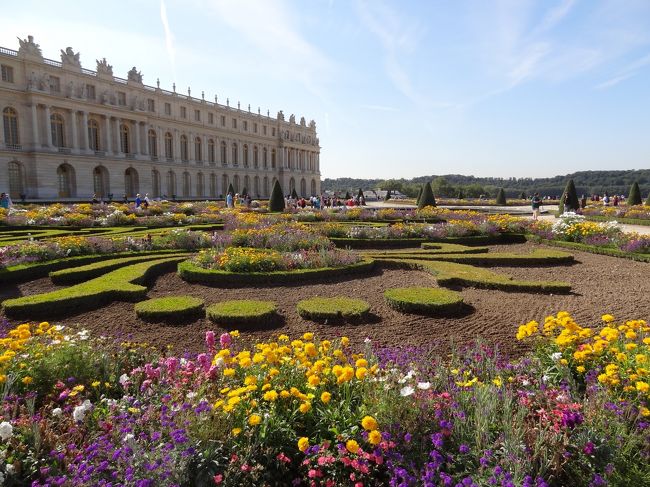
x=69, y=133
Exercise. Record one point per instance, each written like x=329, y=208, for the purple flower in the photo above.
x=463, y=449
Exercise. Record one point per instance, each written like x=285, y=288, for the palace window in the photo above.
x=265, y=158
x=273, y=132
x=234, y=123
x=211, y=151
x=93, y=134
x=254, y=128
x=184, y=155
x=168, y=108
x=224, y=150
x=16, y=179
x=121, y=98
x=58, y=132
x=197, y=115
x=169, y=146
x=198, y=152
x=151, y=104
x=10, y=119
x=245, y=126
x=153, y=143
x=90, y=92
x=183, y=112
x=7, y=73
x=211, y=118
x=55, y=84
x=256, y=156
x=234, y=154
x=245, y=155
x=125, y=139
x=223, y=120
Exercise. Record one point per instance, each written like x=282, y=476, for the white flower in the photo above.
x=556, y=356
x=407, y=377
x=2, y=478
x=191, y=395
x=219, y=362
x=424, y=385
x=367, y=340
x=56, y=412
x=124, y=379
x=129, y=437
x=79, y=413
x=10, y=469
x=6, y=430
x=545, y=378
x=525, y=382
x=406, y=391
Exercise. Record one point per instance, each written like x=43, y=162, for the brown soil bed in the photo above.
x=600, y=284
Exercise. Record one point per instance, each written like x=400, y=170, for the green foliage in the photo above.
x=338, y=308
x=294, y=195
x=423, y=300
x=417, y=199
x=347, y=195
x=522, y=196
x=276, y=201
x=244, y=191
x=501, y=197
x=360, y=193
x=243, y=312
x=173, y=308
x=571, y=202
x=231, y=189
x=647, y=201
x=122, y=284
x=634, y=198
x=426, y=197
x=536, y=257
x=387, y=197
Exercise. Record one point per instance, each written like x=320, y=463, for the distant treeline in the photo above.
x=456, y=185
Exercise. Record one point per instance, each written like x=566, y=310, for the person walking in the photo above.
x=4, y=201
x=536, y=202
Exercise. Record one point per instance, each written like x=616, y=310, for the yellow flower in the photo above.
x=27, y=380
x=313, y=380
x=305, y=407
x=308, y=337
x=345, y=341
x=254, y=419
x=236, y=431
x=229, y=372
x=362, y=362
x=642, y=386
x=374, y=437
x=352, y=446
x=580, y=369
x=270, y=395
x=96, y=383
x=369, y=423
x=303, y=443
x=325, y=397
x=497, y=381
x=607, y=318
x=361, y=373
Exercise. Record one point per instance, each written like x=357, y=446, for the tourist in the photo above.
x=125, y=199
x=146, y=201
x=229, y=202
x=138, y=201
x=4, y=201
x=606, y=199
x=615, y=200
x=536, y=202
x=95, y=200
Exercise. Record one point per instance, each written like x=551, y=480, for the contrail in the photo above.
x=169, y=38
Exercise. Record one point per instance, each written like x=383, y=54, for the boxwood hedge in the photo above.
x=423, y=300
x=243, y=312
x=170, y=308
x=337, y=308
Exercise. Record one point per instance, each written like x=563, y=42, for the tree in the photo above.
x=522, y=196
x=634, y=198
x=360, y=193
x=570, y=197
x=231, y=190
x=347, y=195
x=387, y=197
x=501, y=197
x=647, y=202
x=426, y=198
x=441, y=187
x=244, y=191
x=460, y=194
x=294, y=195
x=417, y=199
x=276, y=201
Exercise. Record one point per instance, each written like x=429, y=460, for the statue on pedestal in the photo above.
x=28, y=46
x=69, y=58
x=292, y=118
x=103, y=67
x=135, y=75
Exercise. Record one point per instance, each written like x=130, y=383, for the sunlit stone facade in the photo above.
x=69, y=133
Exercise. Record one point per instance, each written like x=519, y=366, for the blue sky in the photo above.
x=398, y=89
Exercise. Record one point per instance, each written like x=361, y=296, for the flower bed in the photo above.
x=320, y=412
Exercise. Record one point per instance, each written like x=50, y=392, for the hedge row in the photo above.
x=365, y=243
x=191, y=272
x=122, y=284
x=243, y=312
x=36, y=270
x=594, y=249
x=336, y=309
x=170, y=308
x=435, y=249
x=628, y=221
x=450, y=274
x=423, y=300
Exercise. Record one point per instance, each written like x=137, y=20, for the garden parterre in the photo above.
x=80, y=410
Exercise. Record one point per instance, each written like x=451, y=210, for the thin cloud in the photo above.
x=169, y=38
x=630, y=71
x=380, y=108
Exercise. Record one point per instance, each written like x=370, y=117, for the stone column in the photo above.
x=37, y=142
x=145, y=144
x=161, y=144
x=204, y=151
x=191, y=156
x=108, y=144
x=84, y=130
x=118, y=145
x=177, y=145
x=73, y=126
x=48, y=126
x=240, y=154
x=138, y=147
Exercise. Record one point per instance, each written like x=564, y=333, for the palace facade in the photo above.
x=69, y=133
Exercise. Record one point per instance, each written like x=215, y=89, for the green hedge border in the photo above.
x=361, y=243
x=191, y=272
x=119, y=285
x=234, y=313
x=339, y=308
x=592, y=249
x=170, y=308
x=627, y=221
x=423, y=300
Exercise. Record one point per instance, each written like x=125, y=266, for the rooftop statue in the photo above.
x=28, y=46
x=69, y=57
x=103, y=67
x=292, y=118
x=281, y=115
x=135, y=75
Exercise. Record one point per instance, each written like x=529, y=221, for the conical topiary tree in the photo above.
x=276, y=201
x=460, y=194
x=244, y=191
x=417, y=198
x=347, y=195
x=360, y=193
x=647, y=202
x=501, y=197
x=294, y=195
x=522, y=196
x=570, y=202
x=231, y=190
x=387, y=197
x=426, y=197
x=634, y=198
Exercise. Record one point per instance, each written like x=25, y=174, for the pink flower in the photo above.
x=225, y=340
x=210, y=339
x=218, y=478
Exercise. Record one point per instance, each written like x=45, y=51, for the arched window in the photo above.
x=313, y=187
x=211, y=151
x=10, y=119
x=101, y=182
x=213, y=185
x=169, y=146
x=266, y=186
x=256, y=186
x=200, y=185
x=265, y=160
x=198, y=150
x=303, y=187
x=224, y=153
x=234, y=154
x=247, y=184
x=235, y=183
x=171, y=184
x=245, y=155
x=16, y=179
x=184, y=154
x=131, y=182
x=93, y=135
x=125, y=140
x=67, y=181
x=273, y=159
x=292, y=185
x=155, y=183
x=186, y=184
x=256, y=156
x=58, y=131
x=152, y=139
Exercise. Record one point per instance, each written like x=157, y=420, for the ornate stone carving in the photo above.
x=292, y=118
x=312, y=125
x=29, y=47
x=135, y=75
x=281, y=115
x=103, y=67
x=302, y=121
x=70, y=58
